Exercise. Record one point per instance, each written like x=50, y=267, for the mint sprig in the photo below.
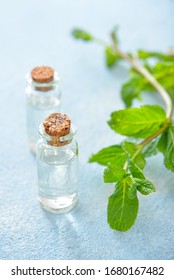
x=125, y=162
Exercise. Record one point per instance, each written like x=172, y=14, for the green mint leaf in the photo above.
x=171, y=92
x=169, y=153
x=113, y=155
x=142, y=54
x=162, y=143
x=132, y=89
x=145, y=187
x=137, y=157
x=81, y=34
x=151, y=149
x=164, y=73
x=113, y=174
x=132, y=192
x=123, y=206
x=138, y=122
x=134, y=169
x=166, y=146
x=111, y=56
x=142, y=185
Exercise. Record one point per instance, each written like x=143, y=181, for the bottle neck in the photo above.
x=57, y=141
x=43, y=87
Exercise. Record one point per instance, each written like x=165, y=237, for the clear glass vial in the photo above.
x=57, y=164
x=43, y=98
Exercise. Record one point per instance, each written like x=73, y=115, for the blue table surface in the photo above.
x=38, y=33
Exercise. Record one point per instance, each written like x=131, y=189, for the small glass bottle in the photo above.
x=57, y=153
x=43, y=98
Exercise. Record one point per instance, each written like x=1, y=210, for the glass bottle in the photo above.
x=43, y=98
x=57, y=170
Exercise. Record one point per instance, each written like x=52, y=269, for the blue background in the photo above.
x=37, y=32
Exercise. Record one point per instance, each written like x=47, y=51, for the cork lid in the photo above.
x=57, y=130
x=57, y=124
x=42, y=74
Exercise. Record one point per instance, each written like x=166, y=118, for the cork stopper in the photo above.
x=42, y=74
x=57, y=125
